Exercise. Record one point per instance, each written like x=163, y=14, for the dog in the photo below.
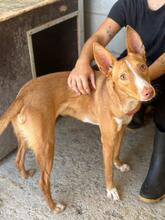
x=121, y=86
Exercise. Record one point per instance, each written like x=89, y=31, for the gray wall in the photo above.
x=95, y=12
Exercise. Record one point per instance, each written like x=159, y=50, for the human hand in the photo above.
x=80, y=79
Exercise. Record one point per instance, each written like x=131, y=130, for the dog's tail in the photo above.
x=13, y=109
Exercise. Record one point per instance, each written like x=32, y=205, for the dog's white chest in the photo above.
x=122, y=121
x=119, y=122
x=88, y=120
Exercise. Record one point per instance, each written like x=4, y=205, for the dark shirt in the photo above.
x=148, y=23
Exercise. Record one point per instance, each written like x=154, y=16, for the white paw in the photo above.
x=113, y=194
x=123, y=168
x=59, y=208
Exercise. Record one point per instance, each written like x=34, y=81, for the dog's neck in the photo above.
x=125, y=104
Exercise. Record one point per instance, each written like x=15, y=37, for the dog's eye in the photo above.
x=123, y=76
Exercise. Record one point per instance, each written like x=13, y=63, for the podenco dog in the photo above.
x=121, y=86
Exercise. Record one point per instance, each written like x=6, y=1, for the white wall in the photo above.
x=95, y=13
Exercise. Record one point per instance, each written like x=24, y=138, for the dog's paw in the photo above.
x=113, y=194
x=28, y=173
x=123, y=168
x=59, y=208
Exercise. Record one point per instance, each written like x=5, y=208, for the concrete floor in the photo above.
x=77, y=179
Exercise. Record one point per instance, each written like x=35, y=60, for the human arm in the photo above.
x=157, y=68
x=82, y=73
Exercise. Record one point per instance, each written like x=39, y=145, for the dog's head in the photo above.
x=130, y=74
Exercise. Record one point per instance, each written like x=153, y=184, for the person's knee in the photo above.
x=159, y=120
x=159, y=111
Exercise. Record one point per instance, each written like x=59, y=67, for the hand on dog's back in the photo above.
x=80, y=79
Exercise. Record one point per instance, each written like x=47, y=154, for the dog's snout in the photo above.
x=148, y=92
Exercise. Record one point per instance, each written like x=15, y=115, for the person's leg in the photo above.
x=153, y=188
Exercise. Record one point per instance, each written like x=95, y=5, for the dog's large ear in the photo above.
x=134, y=42
x=104, y=59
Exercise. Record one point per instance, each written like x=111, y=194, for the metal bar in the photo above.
x=31, y=54
x=52, y=23
x=80, y=24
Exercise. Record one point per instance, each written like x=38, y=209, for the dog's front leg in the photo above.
x=122, y=166
x=109, y=139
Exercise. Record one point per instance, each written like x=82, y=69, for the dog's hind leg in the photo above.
x=38, y=130
x=20, y=158
x=44, y=156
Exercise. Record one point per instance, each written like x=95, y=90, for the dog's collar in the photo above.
x=133, y=111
